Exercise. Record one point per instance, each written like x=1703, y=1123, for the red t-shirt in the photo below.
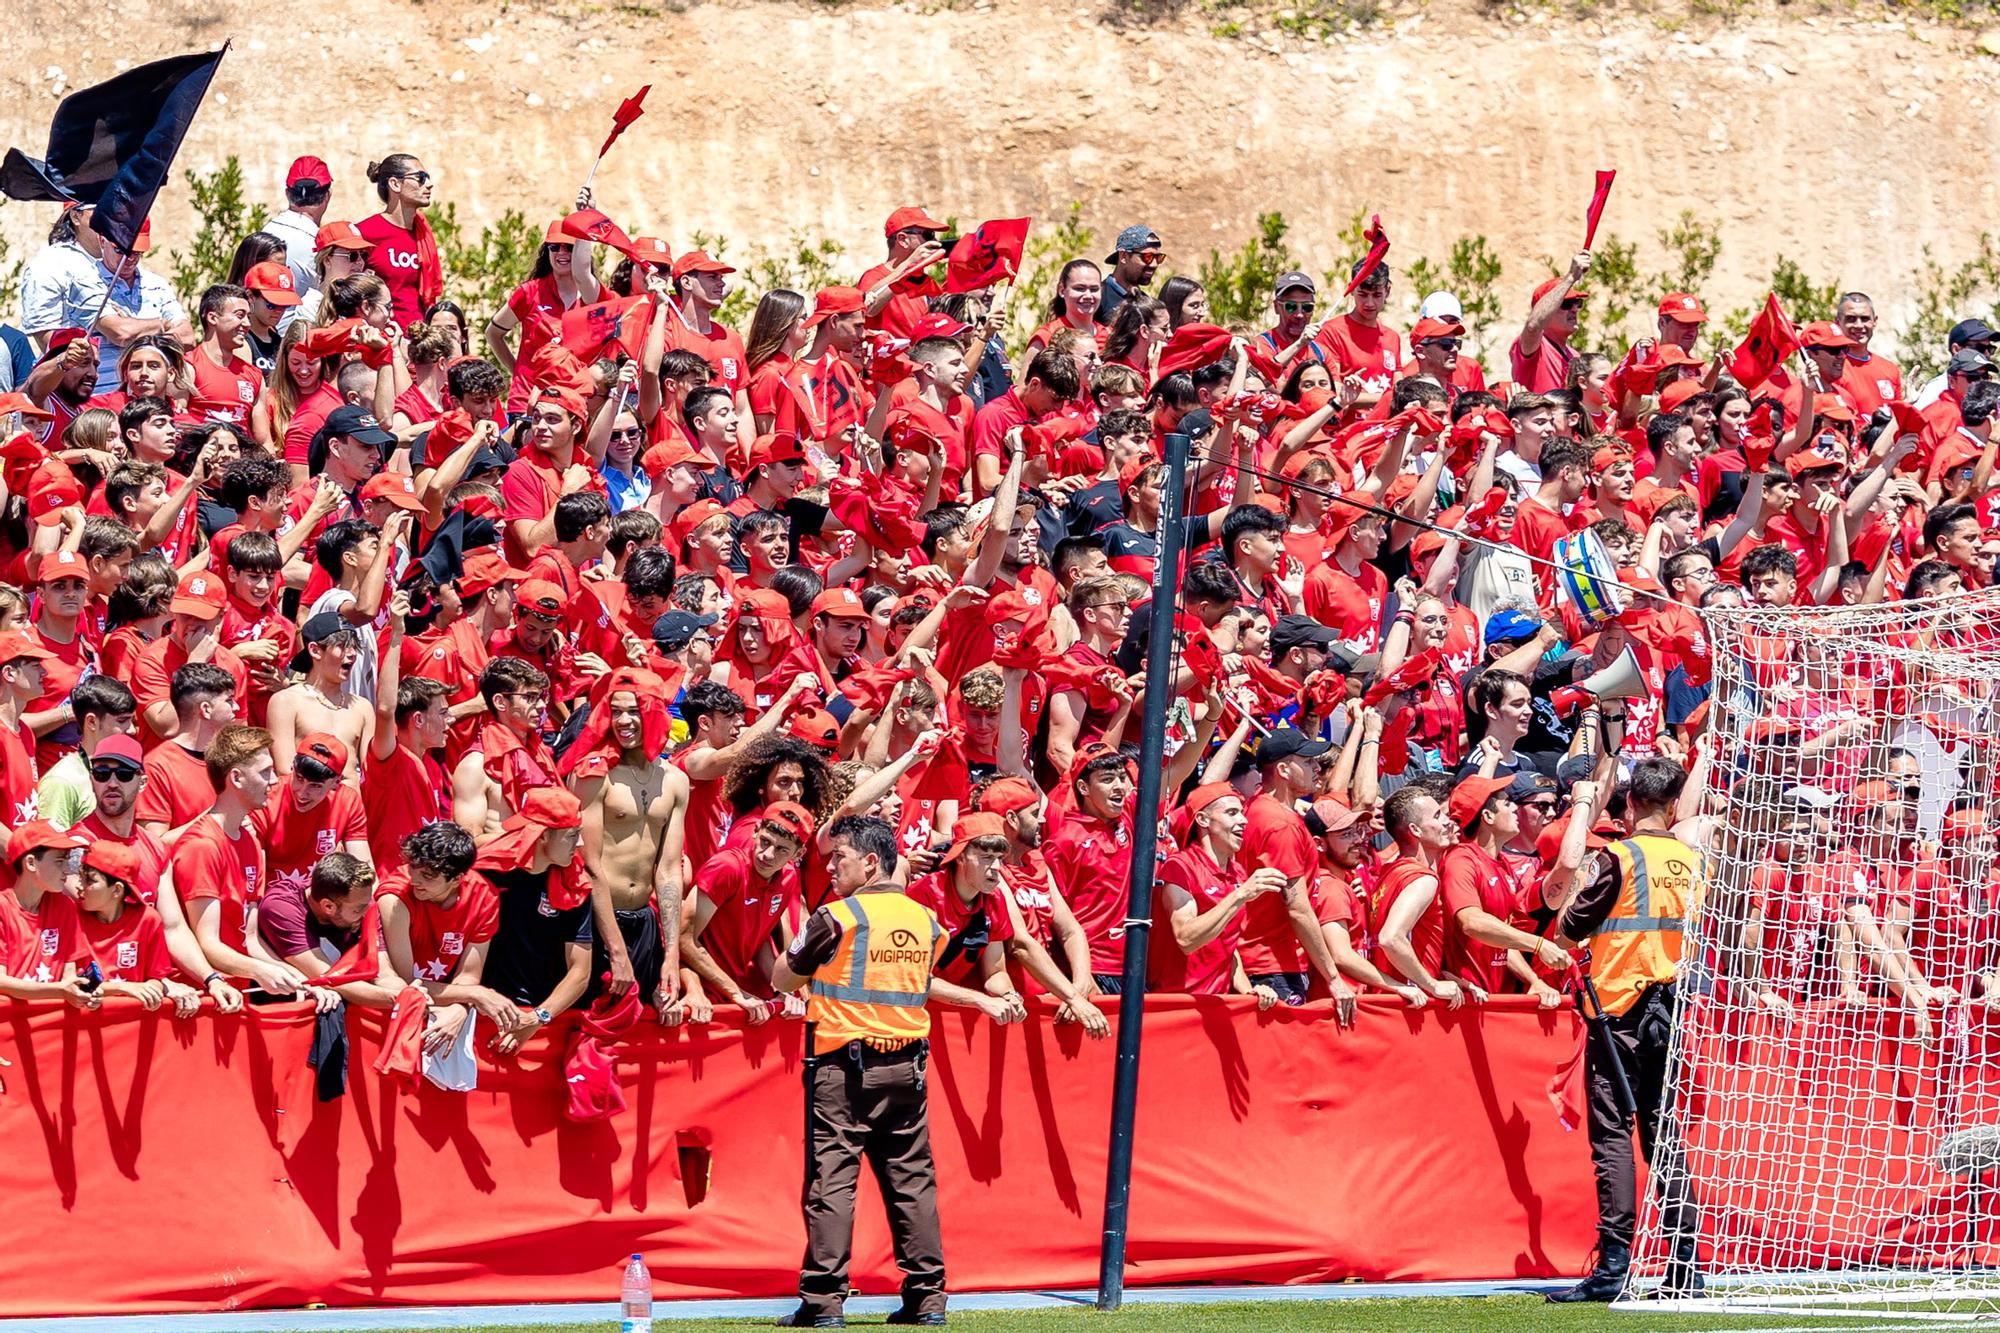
x=1275, y=835
x=307, y=418
x=1870, y=383
x=958, y=960
x=906, y=304
x=720, y=347
x=529, y=490
x=224, y=393
x=38, y=945
x=177, y=786
x=132, y=948
x=397, y=261
x=747, y=911
x=399, y=795
x=153, y=676
x=1372, y=352
x=538, y=306
x=1206, y=971
x=1537, y=529
x=231, y=870
x=439, y=935
x=19, y=776
x=1092, y=865
x=1546, y=368
x=1469, y=877
x=1349, y=604
x=1427, y=936
x=152, y=853
x=295, y=839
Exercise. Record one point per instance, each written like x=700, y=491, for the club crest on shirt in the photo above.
x=544, y=907
x=128, y=953
x=51, y=941
x=323, y=841
x=452, y=942
x=728, y=367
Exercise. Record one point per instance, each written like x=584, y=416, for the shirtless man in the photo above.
x=322, y=703
x=634, y=813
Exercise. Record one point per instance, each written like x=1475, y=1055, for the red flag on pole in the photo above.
x=587, y=224
x=1596, y=211
x=1772, y=338
x=1378, y=249
x=628, y=111
x=588, y=331
x=990, y=254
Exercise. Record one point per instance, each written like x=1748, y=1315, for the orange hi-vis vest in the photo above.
x=1639, y=944
x=876, y=987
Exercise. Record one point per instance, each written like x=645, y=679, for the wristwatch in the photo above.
x=544, y=1017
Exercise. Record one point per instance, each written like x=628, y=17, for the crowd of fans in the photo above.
x=350, y=651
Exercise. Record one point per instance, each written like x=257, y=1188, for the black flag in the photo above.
x=113, y=144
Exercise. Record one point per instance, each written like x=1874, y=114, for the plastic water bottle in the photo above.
x=635, y=1297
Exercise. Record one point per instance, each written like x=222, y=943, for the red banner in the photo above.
x=1595, y=212
x=991, y=254
x=1271, y=1148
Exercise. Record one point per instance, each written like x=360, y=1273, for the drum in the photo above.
x=1588, y=578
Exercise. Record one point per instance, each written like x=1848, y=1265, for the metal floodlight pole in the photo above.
x=1145, y=855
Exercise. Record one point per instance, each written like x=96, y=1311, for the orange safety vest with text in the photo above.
x=1639, y=944
x=876, y=987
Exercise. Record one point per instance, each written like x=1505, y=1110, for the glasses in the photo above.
x=1107, y=606
x=113, y=773
x=1547, y=807
x=1153, y=256
x=1296, y=307
x=1572, y=304
x=627, y=433
x=352, y=256
x=1443, y=344
x=420, y=177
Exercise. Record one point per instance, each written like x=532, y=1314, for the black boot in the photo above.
x=1606, y=1281
x=926, y=1318
x=1683, y=1279
x=806, y=1317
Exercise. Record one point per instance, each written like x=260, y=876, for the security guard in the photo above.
x=1630, y=912
x=868, y=957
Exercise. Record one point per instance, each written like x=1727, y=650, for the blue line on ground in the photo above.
x=606, y=1313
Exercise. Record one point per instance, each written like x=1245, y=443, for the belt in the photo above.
x=861, y=1053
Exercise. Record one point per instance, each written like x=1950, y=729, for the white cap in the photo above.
x=1441, y=305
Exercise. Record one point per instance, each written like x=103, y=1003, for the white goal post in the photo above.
x=1833, y=1105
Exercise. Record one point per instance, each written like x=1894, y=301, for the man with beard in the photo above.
x=1203, y=900
x=1043, y=911
x=634, y=815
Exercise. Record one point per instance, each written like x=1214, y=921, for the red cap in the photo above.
x=1832, y=406
x=1669, y=356
x=1015, y=604
x=39, y=835
x=1962, y=825
x=905, y=218
x=1824, y=334
x=16, y=644
x=540, y=595
x=1682, y=308
x=554, y=234
x=671, y=453
x=979, y=824
x=61, y=565
x=1469, y=797
x=1677, y=393
x=398, y=488
x=696, y=514
x=52, y=489
x=652, y=250
x=1004, y=796
x=1543, y=289
x=1206, y=795
x=1866, y=796
x=831, y=301
x=839, y=602
x=1335, y=816
x=272, y=281
x=698, y=261
x=1436, y=328
x=341, y=236
x=937, y=324
x=547, y=807
x=308, y=169
x=11, y=403
x=793, y=818
x=200, y=595
x=122, y=748
x=62, y=338
x=114, y=860
x=484, y=569
x=1810, y=460
x=816, y=727
x=764, y=604
x=779, y=447
x=1609, y=456
x=324, y=748
x=143, y=242
x=568, y=399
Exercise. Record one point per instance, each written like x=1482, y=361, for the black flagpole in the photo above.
x=1145, y=853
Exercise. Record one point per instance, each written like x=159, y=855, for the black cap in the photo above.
x=1350, y=663
x=1530, y=783
x=1968, y=331
x=674, y=630
x=1288, y=743
x=1299, y=632
x=1968, y=361
x=356, y=423
x=318, y=629
x=1577, y=768
x=486, y=460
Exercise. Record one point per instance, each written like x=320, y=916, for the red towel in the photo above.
x=402, y=1056
x=589, y=1067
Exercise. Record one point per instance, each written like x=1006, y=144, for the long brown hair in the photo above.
x=777, y=314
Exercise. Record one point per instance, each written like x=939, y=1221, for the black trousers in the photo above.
x=640, y=929
x=1642, y=1036
x=870, y=1105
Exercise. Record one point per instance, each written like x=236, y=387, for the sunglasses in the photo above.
x=1443, y=344
x=628, y=433
x=420, y=177
x=1296, y=307
x=1572, y=304
x=1153, y=256
x=352, y=256
x=113, y=773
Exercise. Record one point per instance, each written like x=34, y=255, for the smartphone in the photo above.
x=91, y=977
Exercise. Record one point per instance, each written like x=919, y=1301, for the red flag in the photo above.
x=1772, y=339
x=589, y=330
x=587, y=224
x=364, y=961
x=1378, y=249
x=1596, y=210
x=990, y=255
x=628, y=111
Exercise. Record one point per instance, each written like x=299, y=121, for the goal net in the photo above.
x=1831, y=1137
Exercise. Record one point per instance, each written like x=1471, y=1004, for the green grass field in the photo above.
x=1497, y=1314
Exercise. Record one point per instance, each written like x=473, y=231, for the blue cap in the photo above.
x=1511, y=626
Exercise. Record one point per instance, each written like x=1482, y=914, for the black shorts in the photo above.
x=1110, y=983
x=1292, y=987
x=640, y=929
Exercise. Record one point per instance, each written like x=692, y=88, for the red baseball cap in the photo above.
x=937, y=324
x=699, y=261
x=673, y=452
x=816, y=727
x=200, y=595
x=1548, y=843
x=11, y=403
x=484, y=569
x=1609, y=456
x=1004, y=796
x=1333, y=816
x=1543, y=289
x=39, y=835
x=793, y=818
x=553, y=234
x=905, y=218
x=1810, y=460
x=61, y=565
x=778, y=447
x=143, y=242
x=114, y=860
x=52, y=489
x=831, y=301
x=308, y=169
x=568, y=399
x=1832, y=406
x=978, y=824
x=1677, y=393
x=324, y=749
x=1961, y=825
x=1683, y=308
x=16, y=644
x=272, y=281
x=696, y=514
x=398, y=488
x=1469, y=797
x=342, y=236
x=839, y=602
x=652, y=250
x=1824, y=334
x=1670, y=355
x=1436, y=328
x=549, y=808
x=540, y=595
x=122, y=748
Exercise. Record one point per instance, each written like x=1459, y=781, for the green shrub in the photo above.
x=1047, y=250
x=804, y=266
x=223, y=217
x=1240, y=286
x=1471, y=272
x=480, y=273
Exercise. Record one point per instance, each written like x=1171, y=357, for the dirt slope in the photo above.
x=1846, y=144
